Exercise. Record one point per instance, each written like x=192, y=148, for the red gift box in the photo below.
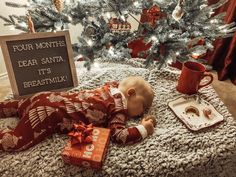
x=89, y=155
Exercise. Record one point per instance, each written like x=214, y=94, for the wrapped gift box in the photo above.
x=89, y=155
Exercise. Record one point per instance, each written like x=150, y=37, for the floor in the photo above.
x=225, y=89
x=227, y=92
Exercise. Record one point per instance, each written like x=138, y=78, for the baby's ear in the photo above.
x=131, y=92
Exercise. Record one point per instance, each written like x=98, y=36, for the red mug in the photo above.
x=191, y=76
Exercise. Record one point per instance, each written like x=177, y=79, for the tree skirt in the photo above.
x=171, y=151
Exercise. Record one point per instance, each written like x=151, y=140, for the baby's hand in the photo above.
x=149, y=125
x=153, y=119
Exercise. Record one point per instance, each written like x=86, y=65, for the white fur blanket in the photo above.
x=171, y=151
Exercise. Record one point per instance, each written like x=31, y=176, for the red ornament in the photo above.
x=148, y=16
x=138, y=46
x=154, y=14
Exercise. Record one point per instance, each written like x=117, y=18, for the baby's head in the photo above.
x=139, y=94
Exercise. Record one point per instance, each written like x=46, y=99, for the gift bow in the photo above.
x=81, y=133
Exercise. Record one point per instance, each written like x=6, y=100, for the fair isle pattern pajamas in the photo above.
x=46, y=113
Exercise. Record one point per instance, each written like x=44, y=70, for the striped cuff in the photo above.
x=142, y=130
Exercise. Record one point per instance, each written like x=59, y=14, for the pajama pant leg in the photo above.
x=37, y=124
x=9, y=108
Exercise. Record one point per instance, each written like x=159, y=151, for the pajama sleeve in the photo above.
x=122, y=135
x=117, y=120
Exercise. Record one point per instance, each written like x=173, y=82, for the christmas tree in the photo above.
x=179, y=29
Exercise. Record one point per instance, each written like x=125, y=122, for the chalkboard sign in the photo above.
x=39, y=62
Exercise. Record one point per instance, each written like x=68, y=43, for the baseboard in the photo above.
x=3, y=75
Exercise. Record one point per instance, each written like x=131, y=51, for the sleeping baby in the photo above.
x=111, y=105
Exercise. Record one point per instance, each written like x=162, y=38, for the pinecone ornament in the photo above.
x=58, y=4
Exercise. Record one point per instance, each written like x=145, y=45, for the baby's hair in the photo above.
x=141, y=87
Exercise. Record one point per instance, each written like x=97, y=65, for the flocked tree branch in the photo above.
x=174, y=37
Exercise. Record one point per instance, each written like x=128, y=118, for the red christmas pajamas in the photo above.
x=47, y=113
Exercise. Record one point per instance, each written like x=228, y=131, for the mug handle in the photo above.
x=208, y=83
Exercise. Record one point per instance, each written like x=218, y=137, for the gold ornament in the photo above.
x=58, y=4
x=30, y=23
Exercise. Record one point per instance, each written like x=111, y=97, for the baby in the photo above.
x=110, y=106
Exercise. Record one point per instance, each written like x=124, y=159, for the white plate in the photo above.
x=192, y=120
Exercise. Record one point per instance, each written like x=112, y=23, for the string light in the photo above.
x=96, y=65
x=111, y=51
x=69, y=18
x=158, y=34
x=203, y=6
x=211, y=13
x=123, y=17
x=213, y=21
x=136, y=4
x=222, y=27
x=225, y=30
x=108, y=15
x=90, y=42
x=171, y=35
x=154, y=38
x=169, y=61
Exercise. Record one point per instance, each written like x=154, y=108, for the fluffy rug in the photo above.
x=171, y=151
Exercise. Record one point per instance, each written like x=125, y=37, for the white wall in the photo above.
x=75, y=31
x=4, y=11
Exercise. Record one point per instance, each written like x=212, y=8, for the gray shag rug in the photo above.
x=171, y=151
